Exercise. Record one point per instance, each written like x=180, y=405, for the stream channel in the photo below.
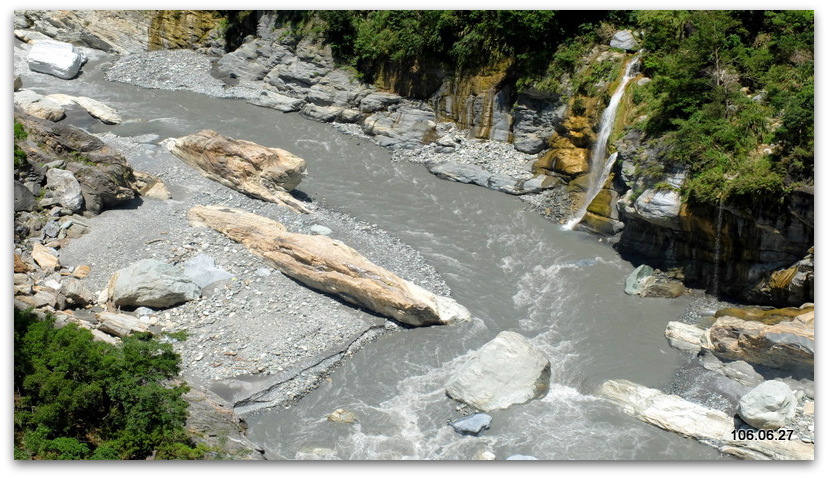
x=513, y=269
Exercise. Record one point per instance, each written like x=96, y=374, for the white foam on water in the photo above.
x=324, y=144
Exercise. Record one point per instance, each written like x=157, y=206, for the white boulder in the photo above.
x=65, y=188
x=151, y=283
x=506, y=371
x=769, y=406
x=55, y=58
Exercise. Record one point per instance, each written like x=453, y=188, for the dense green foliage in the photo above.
x=733, y=94
x=459, y=40
x=75, y=398
x=19, y=155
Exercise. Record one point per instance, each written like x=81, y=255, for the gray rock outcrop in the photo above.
x=769, y=406
x=506, y=371
x=624, y=40
x=151, y=283
x=474, y=174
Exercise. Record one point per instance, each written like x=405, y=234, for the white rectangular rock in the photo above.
x=55, y=58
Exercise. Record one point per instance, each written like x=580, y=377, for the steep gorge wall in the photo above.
x=731, y=250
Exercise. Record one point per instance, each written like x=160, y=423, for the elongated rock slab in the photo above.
x=713, y=427
x=782, y=345
x=329, y=265
x=258, y=171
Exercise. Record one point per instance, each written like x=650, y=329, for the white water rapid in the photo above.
x=598, y=168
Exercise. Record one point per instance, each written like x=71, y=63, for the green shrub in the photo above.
x=80, y=399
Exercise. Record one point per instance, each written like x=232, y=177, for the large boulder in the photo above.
x=769, y=406
x=55, y=58
x=95, y=108
x=24, y=200
x=329, y=265
x=119, y=325
x=258, y=171
x=151, y=283
x=639, y=279
x=65, y=188
x=785, y=345
x=39, y=106
x=506, y=371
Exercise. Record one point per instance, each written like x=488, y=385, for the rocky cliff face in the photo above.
x=733, y=250
x=127, y=31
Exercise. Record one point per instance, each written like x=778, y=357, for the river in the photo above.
x=513, y=269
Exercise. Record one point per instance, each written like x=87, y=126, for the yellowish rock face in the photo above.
x=172, y=29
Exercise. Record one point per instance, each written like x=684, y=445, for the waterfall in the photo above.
x=599, y=169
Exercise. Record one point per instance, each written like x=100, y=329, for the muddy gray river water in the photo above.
x=513, y=269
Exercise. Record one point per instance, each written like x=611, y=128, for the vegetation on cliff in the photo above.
x=76, y=399
x=731, y=96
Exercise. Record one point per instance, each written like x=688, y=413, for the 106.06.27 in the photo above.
x=781, y=434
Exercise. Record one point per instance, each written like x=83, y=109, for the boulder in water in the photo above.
x=506, y=371
x=472, y=424
x=639, y=279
